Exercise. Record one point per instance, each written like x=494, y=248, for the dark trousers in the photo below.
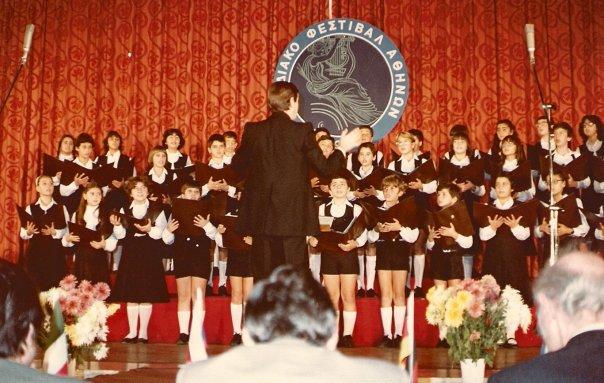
x=270, y=251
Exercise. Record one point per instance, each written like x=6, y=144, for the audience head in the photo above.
x=569, y=297
x=20, y=314
x=290, y=303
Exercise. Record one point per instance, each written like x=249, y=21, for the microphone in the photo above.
x=529, y=31
x=29, y=34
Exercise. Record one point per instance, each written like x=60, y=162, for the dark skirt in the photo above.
x=192, y=257
x=505, y=260
x=447, y=265
x=240, y=263
x=91, y=264
x=140, y=277
x=46, y=261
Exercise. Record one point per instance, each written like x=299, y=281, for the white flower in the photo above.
x=517, y=313
x=101, y=351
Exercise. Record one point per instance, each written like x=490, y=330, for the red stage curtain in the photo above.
x=204, y=67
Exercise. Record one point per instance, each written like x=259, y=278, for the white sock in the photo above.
x=350, y=317
x=419, y=261
x=386, y=313
x=399, y=319
x=314, y=263
x=370, y=271
x=132, y=312
x=145, y=314
x=216, y=256
x=408, y=281
x=211, y=277
x=468, y=264
x=183, y=321
x=361, y=276
x=236, y=315
x=222, y=277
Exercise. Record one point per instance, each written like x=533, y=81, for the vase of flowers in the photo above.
x=473, y=317
x=85, y=313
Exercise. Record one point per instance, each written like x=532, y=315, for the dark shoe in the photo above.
x=130, y=340
x=236, y=340
x=371, y=293
x=510, y=343
x=143, y=340
x=222, y=291
x=442, y=343
x=419, y=293
x=396, y=342
x=209, y=291
x=183, y=339
x=407, y=292
x=361, y=293
x=346, y=342
x=385, y=342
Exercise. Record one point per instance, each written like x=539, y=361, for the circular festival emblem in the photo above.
x=349, y=73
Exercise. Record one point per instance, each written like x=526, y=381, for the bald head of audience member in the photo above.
x=570, y=298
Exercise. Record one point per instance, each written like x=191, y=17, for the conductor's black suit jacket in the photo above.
x=274, y=157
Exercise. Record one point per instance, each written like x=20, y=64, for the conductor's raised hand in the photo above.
x=350, y=139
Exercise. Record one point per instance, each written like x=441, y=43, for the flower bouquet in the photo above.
x=473, y=317
x=85, y=316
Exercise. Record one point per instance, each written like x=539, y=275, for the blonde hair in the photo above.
x=405, y=136
x=153, y=152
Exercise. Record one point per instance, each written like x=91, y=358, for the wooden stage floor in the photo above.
x=159, y=362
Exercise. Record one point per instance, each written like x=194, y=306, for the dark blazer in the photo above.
x=579, y=361
x=274, y=158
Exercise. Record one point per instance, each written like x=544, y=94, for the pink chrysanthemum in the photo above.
x=69, y=282
x=101, y=291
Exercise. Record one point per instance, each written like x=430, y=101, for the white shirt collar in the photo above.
x=88, y=164
x=45, y=207
x=505, y=205
x=216, y=164
x=593, y=147
x=347, y=203
x=509, y=165
x=152, y=173
x=464, y=162
x=134, y=204
x=115, y=157
x=65, y=157
x=364, y=173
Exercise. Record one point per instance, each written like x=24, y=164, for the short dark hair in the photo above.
x=19, y=308
x=215, y=137
x=417, y=134
x=326, y=138
x=292, y=303
x=170, y=132
x=132, y=181
x=368, y=145
x=457, y=129
x=564, y=126
x=190, y=184
x=324, y=130
x=84, y=138
x=453, y=189
x=279, y=94
x=230, y=134
x=112, y=133
x=366, y=127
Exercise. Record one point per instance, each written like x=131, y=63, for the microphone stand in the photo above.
x=553, y=210
x=12, y=85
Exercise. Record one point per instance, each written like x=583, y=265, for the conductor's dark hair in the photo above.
x=453, y=189
x=170, y=132
x=595, y=120
x=112, y=133
x=19, y=308
x=61, y=142
x=290, y=303
x=279, y=94
x=84, y=138
x=215, y=137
